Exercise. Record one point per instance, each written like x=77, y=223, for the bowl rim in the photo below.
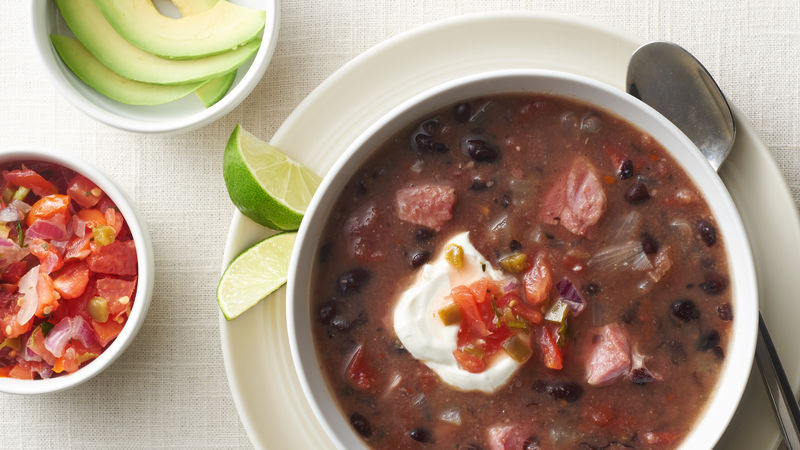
x=145, y=275
x=51, y=64
x=718, y=410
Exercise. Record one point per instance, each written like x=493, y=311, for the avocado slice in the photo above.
x=96, y=34
x=215, y=89
x=223, y=27
x=193, y=7
x=103, y=80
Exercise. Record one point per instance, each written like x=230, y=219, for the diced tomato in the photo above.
x=538, y=281
x=83, y=191
x=118, y=293
x=360, y=373
x=114, y=219
x=616, y=155
x=550, y=350
x=5, y=372
x=74, y=356
x=470, y=363
x=14, y=272
x=92, y=217
x=78, y=247
x=48, y=297
x=77, y=306
x=465, y=299
x=105, y=203
x=49, y=258
x=71, y=281
x=22, y=371
x=10, y=328
x=117, y=258
x=36, y=345
x=31, y=180
x=527, y=312
x=52, y=207
x=107, y=331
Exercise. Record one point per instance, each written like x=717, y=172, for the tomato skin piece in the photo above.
x=48, y=297
x=116, y=258
x=470, y=363
x=83, y=191
x=30, y=179
x=71, y=281
x=528, y=312
x=550, y=351
x=359, y=372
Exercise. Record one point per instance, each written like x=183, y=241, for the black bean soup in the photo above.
x=576, y=207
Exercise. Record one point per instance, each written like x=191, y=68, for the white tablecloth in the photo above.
x=169, y=389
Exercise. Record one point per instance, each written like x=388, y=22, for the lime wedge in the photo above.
x=266, y=185
x=256, y=273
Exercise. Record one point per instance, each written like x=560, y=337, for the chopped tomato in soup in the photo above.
x=69, y=271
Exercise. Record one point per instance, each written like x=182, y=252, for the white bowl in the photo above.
x=144, y=286
x=184, y=114
x=739, y=355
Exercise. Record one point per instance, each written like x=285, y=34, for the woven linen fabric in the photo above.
x=169, y=389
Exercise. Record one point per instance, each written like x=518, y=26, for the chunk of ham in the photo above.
x=576, y=200
x=609, y=356
x=509, y=437
x=428, y=205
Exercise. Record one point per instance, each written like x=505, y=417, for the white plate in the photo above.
x=255, y=346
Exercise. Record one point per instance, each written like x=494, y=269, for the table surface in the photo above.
x=169, y=389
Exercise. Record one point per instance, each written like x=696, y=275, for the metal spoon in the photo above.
x=674, y=83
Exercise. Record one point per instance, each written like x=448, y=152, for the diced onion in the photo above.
x=570, y=295
x=626, y=256
x=44, y=229
x=627, y=227
x=69, y=328
x=30, y=298
x=451, y=415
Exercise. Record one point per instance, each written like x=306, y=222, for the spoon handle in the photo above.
x=780, y=393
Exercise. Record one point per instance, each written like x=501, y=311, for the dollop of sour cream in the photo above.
x=424, y=335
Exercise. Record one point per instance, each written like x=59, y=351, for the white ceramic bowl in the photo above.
x=184, y=114
x=739, y=355
x=144, y=287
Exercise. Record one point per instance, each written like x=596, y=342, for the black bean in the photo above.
x=480, y=151
x=361, y=189
x=438, y=147
x=532, y=443
x=514, y=245
x=327, y=311
x=707, y=232
x=420, y=434
x=630, y=313
x=353, y=280
x=361, y=425
x=422, y=142
x=480, y=185
x=714, y=284
x=685, y=309
x=539, y=386
x=565, y=391
x=506, y=200
x=398, y=347
x=649, y=243
x=637, y=193
x=423, y=234
x=591, y=288
x=626, y=169
x=325, y=252
x=708, y=340
x=641, y=376
x=462, y=112
x=724, y=311
x=419, y=258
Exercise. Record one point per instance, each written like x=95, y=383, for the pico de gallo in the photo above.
x=68, y=270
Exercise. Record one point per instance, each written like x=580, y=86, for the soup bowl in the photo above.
x=735, y=369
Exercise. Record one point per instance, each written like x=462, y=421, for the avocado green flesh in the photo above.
x=103, y=80
x=112, y=50
x=223, y=27
x=215, y=89
x=193, y=7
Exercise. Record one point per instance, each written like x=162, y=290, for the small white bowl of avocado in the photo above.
x=155, y=66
